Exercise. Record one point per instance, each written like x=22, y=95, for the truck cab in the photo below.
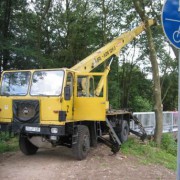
x=50, y=97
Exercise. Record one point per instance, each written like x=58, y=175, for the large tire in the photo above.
x=26, y=146
x=124, y=131
x=82, y=147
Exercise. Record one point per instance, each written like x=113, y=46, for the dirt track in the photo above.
x=58, y=163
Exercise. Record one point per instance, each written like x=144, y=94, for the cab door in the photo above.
x=67, y=104
x=88, y=106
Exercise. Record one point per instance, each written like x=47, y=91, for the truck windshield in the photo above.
x=47, y=83
x=15, y=83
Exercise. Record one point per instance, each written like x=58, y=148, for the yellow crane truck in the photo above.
x=67, y=107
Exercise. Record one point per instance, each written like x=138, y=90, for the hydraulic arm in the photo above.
x=112, y=48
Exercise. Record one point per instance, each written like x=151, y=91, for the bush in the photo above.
x=169, y=144
x=8, y=143
x=4, y=136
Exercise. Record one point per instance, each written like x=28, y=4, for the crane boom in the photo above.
x=112, y=48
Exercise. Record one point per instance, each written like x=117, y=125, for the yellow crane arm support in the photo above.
x=101, y=82
x=112, y=48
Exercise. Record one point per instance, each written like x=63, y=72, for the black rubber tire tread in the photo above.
x=78, y=151
x=123, y=134
x=122, y=131
x=26, y=146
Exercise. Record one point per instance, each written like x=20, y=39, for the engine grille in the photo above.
x=26, y=111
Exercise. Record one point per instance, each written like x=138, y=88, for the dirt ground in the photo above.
x=58, y=163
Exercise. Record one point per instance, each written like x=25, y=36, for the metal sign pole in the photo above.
x=171, y=26
x=178, y=149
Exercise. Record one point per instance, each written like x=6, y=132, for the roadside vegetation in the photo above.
x=8, y=143
x=148, y=153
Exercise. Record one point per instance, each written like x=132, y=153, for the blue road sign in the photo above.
x=171, y=21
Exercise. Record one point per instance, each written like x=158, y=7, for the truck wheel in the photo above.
x=26, y=146
x=82, y=146
x=123, y=134
x=122, y=131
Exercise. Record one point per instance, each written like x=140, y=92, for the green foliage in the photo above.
x=7, y=143
x=149, y=154
x=140, y=104
x=113, y=85
x=4, y=137
x=169, y=84
x=135, y=88
x=169, y=144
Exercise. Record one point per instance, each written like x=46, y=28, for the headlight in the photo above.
x=54, y=130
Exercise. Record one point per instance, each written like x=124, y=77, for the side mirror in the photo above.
x=67, y=93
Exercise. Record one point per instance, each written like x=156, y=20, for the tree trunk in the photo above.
x=157, y=87
x=139, y=6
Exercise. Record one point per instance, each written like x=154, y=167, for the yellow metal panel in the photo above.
x=6, y=108
x=107, y=105
x=67, y=106
x=52, y=123
x=49, y=107
x=2, y=120
x=89, y=108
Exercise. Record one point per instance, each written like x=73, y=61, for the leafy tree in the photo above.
x=170, y=91
x=5, y=31
x=135, y=87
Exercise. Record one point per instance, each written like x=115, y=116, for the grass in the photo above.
x=8, y=143
x=149, y=154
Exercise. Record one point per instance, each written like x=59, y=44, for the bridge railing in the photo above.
x=170, y=121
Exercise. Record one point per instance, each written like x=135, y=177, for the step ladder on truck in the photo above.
x=67, y=107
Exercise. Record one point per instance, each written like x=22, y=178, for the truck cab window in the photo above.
x=91, y=87
x=69, y=82
x=85, y=86
x=82, y=86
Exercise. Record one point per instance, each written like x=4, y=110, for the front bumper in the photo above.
x=43, y=129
